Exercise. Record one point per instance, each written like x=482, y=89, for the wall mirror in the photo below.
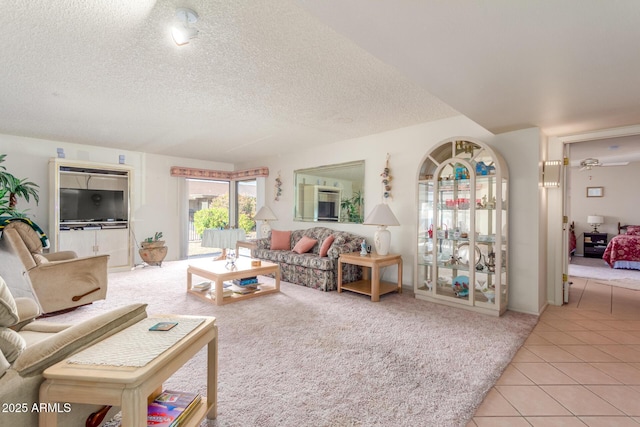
x=332, y=193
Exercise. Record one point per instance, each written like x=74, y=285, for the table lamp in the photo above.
x=265, y=214
x=381, y=216
x=595, y=221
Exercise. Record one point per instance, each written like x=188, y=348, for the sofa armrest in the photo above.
x=36, y=358
x=340, y=246
x=263, y=243
x=60, y=256
x=28, y=310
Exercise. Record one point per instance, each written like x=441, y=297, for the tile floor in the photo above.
x=579, y=367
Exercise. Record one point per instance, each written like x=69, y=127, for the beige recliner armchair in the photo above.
x=60, y=280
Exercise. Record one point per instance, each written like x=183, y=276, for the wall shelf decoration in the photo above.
x=278, y=187
x=386, y=180
x=462, y=242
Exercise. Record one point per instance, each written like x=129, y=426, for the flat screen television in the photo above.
x=78, y=205
x=327, y=211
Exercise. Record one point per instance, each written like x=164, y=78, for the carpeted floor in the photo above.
x=598, y=270
x=307, y=358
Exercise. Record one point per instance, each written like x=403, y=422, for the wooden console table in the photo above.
x=373, y=286
x=131, y=387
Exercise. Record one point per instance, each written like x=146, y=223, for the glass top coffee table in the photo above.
x=218, y=273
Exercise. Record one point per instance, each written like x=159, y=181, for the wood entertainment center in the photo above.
x=90, y=210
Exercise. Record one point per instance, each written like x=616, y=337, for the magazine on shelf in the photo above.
x=202, y=286
x=171, y=408
x=247, y=289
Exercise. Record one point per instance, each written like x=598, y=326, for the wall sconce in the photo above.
x=551, y=171
x=182, y=32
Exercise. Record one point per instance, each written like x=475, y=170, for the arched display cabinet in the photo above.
x=462, y=239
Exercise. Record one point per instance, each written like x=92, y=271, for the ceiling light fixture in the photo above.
x=182, y=32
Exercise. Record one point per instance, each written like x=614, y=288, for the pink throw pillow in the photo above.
x=280, y=240
x=326, y=245
x=304, y=245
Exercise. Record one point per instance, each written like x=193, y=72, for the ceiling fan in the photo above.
x=590, y=162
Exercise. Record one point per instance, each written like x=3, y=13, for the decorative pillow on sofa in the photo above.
x=326, y=245
x=8, y=309
x=304, y=245
x=633, y=230
x=11, y=344
x=280, y=240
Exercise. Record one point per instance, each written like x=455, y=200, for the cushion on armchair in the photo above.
x=11, y=344
x=8, y=308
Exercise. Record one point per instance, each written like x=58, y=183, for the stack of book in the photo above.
x=227, y=291
x=172, y=408
x=245, y=285
x=202, y=286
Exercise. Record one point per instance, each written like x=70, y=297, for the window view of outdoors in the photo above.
x=209, y=208
x=246, y=191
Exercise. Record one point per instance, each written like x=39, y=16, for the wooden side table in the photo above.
x=247, y=244
x=371, y=284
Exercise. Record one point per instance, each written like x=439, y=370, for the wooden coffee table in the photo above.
x=219, y=273
x=130, y=387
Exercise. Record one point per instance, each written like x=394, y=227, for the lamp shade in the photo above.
x=382, y=216
x=265, y=214
x=595, y=219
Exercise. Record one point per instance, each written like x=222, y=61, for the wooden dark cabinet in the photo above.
x=594, y=244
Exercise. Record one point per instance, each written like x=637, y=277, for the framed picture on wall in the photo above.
x=595, y=191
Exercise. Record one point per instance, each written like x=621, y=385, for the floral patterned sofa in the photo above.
x=310, y=269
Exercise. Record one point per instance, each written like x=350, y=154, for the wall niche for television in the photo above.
x=93, y=195
x=90, y=210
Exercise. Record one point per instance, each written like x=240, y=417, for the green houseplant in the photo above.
x=12, y=188
x=352, y=208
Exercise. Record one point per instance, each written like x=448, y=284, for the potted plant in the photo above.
x=11, y=188
x=153, y=250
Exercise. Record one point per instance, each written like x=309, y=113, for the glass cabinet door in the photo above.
x=462, y=226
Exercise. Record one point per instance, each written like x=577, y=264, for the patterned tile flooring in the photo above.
x=579, y=367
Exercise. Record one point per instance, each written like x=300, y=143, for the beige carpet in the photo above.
x=307, y=358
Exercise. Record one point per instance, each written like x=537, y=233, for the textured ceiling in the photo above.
x=261, y=78
x=267, y=77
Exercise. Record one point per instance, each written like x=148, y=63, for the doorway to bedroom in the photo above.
x=598, y=199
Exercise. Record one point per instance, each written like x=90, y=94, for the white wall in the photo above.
x=406, y=147
x=156, y=197
x=527, y=233
x=619, y=203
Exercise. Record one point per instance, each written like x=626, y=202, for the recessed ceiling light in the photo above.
x=182, y=32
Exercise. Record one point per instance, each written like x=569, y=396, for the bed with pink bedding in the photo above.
x=623, y=251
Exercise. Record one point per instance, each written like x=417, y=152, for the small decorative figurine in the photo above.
x=231, y=260
x=363, y=248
